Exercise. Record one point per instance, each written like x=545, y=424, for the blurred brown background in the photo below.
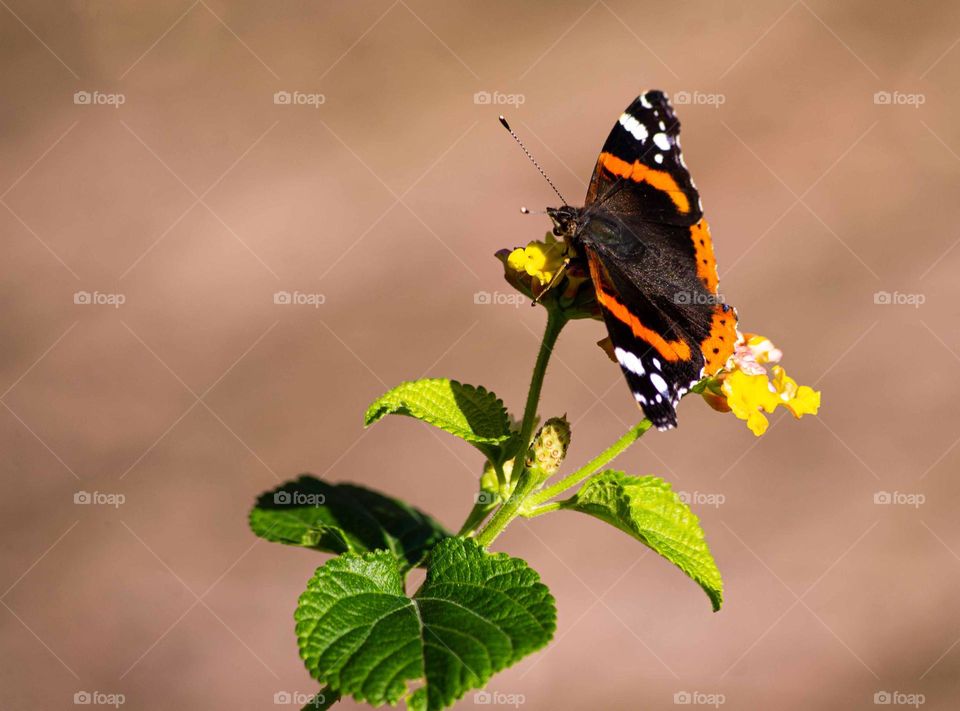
x=183, y=190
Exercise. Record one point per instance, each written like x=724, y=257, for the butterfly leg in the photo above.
x=553, y=282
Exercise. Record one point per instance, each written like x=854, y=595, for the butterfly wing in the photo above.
x=652, y=262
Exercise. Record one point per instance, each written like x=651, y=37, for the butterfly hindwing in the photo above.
x=655, y=355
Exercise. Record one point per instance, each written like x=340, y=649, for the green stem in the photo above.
x=525, y=482
x=544, y=509
x=605, y=457
x=476, y=516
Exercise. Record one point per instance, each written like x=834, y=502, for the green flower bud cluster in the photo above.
x=549, y=447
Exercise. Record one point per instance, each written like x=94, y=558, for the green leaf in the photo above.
x=342, y=518
x=476, y=614
x=471, y=413
x=646, y=508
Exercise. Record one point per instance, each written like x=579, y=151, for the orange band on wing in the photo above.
x=706, y=261
x=670, y=350
x=640, y=173
x=718, y=346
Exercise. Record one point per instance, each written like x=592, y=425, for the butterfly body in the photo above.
x=647, y=246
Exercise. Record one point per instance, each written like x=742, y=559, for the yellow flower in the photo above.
x=535, y=271
x=541, y=260
x=748, y=395
x=744, y=385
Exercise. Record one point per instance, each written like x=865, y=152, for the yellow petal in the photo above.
x=518, y=260
x=757, y=423
x=806, y=402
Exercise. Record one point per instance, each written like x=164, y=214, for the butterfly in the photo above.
x=649, y=253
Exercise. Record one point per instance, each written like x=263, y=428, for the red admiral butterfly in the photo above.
x=650, y=256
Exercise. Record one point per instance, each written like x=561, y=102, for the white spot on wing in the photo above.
x=636, y=129
x=663, y=143
x=659, y=383
x=629, y=361
x=658, y=157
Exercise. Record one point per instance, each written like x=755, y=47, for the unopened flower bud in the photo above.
x=550, y=445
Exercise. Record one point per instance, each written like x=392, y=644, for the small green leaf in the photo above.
x=646, y=508
x=471, y=413
x=342, y=518
x=476, y=614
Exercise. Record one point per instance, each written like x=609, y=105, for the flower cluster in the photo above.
x=548, y=272
x=748, y=389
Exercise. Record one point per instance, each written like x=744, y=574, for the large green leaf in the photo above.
x=342, y=518
x=471, y=413
x=476, y=614
x=647, y=509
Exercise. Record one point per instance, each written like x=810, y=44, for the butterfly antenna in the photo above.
x=532, y=160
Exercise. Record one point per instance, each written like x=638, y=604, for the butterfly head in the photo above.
x=566, y=221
